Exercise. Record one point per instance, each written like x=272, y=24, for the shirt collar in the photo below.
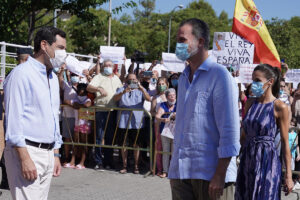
x=40, y=66
x=204, y=66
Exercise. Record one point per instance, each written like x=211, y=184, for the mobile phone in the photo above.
x=133, y=86
x=148, y=73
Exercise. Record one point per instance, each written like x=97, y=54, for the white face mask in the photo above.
x=171, y=103
x=59, y=58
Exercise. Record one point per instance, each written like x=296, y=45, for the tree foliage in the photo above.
x=146, y=31
x=20, y=17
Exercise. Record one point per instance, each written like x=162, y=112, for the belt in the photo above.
x=48, y=146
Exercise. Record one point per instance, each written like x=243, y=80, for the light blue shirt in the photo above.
x=31, y=105
x=207, y=123
x=132, y=99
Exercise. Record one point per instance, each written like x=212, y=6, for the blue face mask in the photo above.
x=182, y=51
x=74, y=79
x=153, y=81
x=281, y=92
x=107, y=71
x=55, y=70
x=174, y=82
x=257, y=89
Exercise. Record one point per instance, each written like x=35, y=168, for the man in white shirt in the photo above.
x=105, y=85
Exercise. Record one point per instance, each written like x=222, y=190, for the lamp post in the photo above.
x=109, y=24
x=55, y=17
x=170, y=22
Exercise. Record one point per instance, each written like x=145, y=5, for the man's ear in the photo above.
x=43, y=45
x=201, y=42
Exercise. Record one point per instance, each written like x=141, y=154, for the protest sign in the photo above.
x=231, y=49
x=86, y=65
x=292, y=76
x=245, y=73
x=116, y=54
x=146, y=66
x=75, y=66
x=172, y=63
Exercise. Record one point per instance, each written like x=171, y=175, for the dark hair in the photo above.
x=26, y=50
x=247, y=91
x=200, y=30
x=271, y=72
x=129, y=74
x=82, y=87
x=47, y=33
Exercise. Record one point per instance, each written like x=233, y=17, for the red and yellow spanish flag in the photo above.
x=248, y=23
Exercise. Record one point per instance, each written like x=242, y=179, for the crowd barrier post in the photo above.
x=90, y=114
x=159, y=152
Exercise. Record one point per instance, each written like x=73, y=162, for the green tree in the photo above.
x=148, y=6
x=286, y=37
x=13, y=14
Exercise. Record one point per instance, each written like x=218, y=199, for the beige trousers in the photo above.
x=196, y=189
x=21, y=188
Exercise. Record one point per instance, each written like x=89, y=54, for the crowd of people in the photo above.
x=209, y=110
x=104, y=87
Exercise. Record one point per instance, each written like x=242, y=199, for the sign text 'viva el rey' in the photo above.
x=231, y=49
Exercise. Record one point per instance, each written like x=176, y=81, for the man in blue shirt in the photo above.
x=132, y=95
x=207, y=133
x=32, y=118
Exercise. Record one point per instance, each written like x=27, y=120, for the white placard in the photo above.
x=245, y=73
x=231, y=49
x=292, y=76
x=86, y=65
x=172, y=63
x=75, y=66
x=147, y=66
x=159, y=68
x=116, y=54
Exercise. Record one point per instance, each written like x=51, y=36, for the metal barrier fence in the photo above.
x=90, y=114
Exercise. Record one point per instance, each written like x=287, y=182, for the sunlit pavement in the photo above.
x=89, y=184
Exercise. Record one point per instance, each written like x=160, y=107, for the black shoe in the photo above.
x=4, y=186
x=99, y=168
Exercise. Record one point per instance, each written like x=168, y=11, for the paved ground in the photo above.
x=109, y=185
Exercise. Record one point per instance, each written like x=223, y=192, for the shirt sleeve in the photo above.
x=14, y=102
x=225, y=103
x=95, y=81
x=120, y=90
x=58, y=138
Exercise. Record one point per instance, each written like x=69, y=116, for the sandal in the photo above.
x=163, y=175
x=136, y=171
x=79, y=166
x=68, y=165
x=123, y=171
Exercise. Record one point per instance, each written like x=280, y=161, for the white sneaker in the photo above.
x=296, y=186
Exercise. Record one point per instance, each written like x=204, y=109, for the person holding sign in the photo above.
x=105, y=85
x=207, y=133
x=259, y=173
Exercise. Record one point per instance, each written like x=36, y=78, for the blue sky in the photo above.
x=268, y=8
